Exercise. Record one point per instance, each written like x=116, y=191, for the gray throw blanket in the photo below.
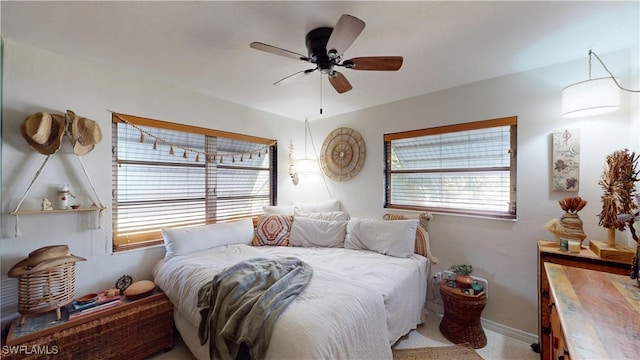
x=243, y=302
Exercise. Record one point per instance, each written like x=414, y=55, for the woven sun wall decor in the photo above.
x=342, y=154
x=566, y=160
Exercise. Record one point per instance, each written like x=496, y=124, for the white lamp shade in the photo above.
x=307, y=166
x=590, y=97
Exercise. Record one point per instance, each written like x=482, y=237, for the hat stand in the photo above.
x=46, y=290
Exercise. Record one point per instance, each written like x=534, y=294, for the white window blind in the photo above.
x=167, y=180
x=466, y=169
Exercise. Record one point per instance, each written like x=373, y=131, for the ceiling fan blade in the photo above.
x=339, y=82
x=380, y=63
x=294, y=76
x=277, y=51
x=344, y=33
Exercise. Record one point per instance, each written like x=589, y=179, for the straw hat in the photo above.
x=43, y=259
x=85, y=133
x=43, y=132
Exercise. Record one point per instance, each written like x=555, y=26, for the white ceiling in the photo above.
x=204, y=45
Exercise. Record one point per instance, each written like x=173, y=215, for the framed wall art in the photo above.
x=566, y=160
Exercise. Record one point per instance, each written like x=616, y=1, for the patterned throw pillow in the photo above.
x=422, y=245
x=273, y=230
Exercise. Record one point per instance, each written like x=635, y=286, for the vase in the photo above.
x=464, y=281
x=572, y=225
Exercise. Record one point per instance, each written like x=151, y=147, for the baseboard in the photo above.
x=501, y=329
x=528, y=338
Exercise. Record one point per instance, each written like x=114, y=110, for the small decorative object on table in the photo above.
x=463, y=275
x=85, y=299
x=46, y=205
x=568, y=226
x=140, y=289
x=618, y=183
x=123, y=283
x=629, y=220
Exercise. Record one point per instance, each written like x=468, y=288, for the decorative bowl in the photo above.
x=85, y=299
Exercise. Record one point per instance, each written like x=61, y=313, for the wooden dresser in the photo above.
x=593, y=314
x=550, y=252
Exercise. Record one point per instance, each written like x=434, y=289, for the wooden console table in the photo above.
x=550, y=252
x=594, y=315
x=131, y=330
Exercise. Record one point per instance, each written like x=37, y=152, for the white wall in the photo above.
x=502, y=251
x=37, y=80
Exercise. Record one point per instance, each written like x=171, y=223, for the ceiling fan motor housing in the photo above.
x=316, y=41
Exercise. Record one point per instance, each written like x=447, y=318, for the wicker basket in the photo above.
x=461, y=321
x=132, y=331
x=47, y=290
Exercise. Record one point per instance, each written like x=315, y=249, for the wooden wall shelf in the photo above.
x=31, y=212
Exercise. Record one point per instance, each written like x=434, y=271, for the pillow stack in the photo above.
x=309, y=225
x=321, y=225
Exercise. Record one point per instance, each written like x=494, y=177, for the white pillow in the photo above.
x=279, y=210
x=186, y=240
x=331, y=215
x=395, y=238
x=327, y=206
x=317, y=233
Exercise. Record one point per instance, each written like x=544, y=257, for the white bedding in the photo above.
x=358, y=303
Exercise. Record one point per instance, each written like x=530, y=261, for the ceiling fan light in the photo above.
x=590, y=97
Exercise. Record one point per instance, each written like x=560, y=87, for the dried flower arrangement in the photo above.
x=630, y=218
x=620, y=174
x=569, y=225
x=572, y=204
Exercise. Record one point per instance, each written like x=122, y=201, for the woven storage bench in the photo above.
x=133, y=330
x=461, y=321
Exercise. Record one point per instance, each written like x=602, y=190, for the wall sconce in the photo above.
x=593, y=96
x=303, y=166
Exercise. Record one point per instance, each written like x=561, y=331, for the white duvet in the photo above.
x=357, y=304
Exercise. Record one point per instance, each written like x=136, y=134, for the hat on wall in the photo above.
x=85, y=133
x=43, y=259
x=43, y=132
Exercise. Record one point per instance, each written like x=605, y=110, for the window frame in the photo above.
x=511, y=121
x=151, y=240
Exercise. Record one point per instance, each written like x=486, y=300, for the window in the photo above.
x=168, y=175
x=463, y=169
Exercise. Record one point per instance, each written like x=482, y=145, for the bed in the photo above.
x=357, y=304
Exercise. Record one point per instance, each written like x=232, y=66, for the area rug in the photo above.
x=439, y=353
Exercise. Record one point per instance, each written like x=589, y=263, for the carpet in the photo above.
x=442, y=352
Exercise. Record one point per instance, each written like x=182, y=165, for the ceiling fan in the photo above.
x=325, y=47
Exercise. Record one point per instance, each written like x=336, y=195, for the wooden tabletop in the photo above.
x=459, y=293
x=599, y=312
x=586, y=253
x=16, y=337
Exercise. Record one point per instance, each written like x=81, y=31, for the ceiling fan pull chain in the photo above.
x=320, y=93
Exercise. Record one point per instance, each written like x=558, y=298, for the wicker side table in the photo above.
x=461, y=321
